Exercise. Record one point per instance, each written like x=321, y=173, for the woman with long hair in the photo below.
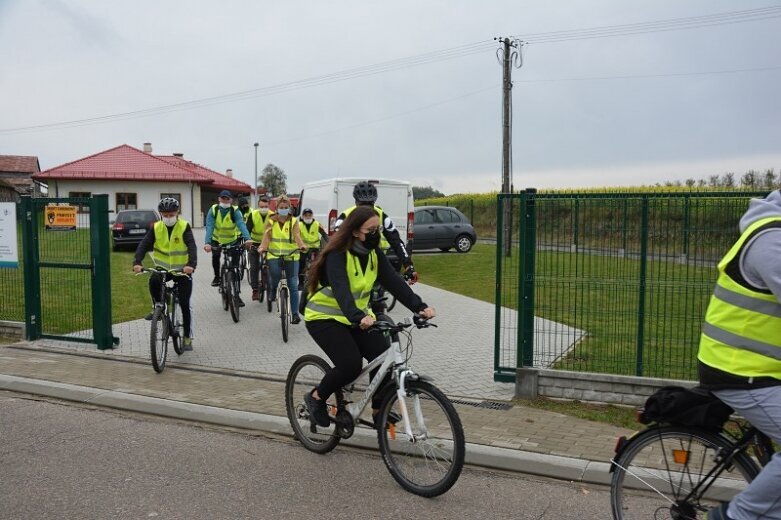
x=338, y=313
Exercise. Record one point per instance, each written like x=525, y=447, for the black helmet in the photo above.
x=168, y=204
x=365, y=192
x=307, y=210
x=243, y=201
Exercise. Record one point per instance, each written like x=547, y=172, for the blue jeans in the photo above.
x=291, y=269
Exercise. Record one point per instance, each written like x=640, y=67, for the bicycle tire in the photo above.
x=235, y=305
x=440, y=439
x=660, y=461
x=176, y=337
x=224, y=290
x=228, y=281
x=267, y=284
x=306, y=372
x=284, y=297
x=158, y=339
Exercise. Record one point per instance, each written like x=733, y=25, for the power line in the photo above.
x=647, y=76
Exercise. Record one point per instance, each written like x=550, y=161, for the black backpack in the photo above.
x=680, y=406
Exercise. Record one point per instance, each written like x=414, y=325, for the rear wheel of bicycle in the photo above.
x=430, y=463
x=174, y=317
x=158, y=339
x=304, y=375
x=236, y=302
x=284, y=298
x=660, y=466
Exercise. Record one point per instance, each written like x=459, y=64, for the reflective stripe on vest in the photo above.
x=742, y=330
x=170, y=252
x=384, y=244
x=282, y=241
x=311, y=236
x=225, y=229
x=322, y=305
x=259, y=222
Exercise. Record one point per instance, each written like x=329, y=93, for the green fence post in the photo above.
x=624, y=244
x=686, y=223
x=498, y=376
x=576, y=224
x=32, y=275
x=528, y=245
x=101, y=272
x=641, y=289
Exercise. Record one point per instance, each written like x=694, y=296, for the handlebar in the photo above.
x=228, y=248
x=162, y=270
x=417, y=320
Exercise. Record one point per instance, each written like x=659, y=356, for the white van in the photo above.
x=329, y=198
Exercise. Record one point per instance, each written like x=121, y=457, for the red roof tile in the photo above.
x=123, y=163
x=19, y=164
x=222, y=182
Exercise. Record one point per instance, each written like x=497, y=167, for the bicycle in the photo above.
x=283, y=296
x=304, y=276
x=678, y=472
x=166, y=318
x=230, y=281
x=243, y=267
x=422, y=443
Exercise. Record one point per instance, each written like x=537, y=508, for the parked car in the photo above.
x=131, y=225
x=443, y=228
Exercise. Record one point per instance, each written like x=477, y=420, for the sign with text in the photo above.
x=9, y=250
x=60, y=217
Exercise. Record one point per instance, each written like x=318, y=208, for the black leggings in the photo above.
x=346, y=347
x=185, y=287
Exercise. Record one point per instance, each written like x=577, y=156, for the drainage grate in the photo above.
x=491, y=405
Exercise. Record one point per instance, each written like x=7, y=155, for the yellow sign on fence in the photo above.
x=60, y=218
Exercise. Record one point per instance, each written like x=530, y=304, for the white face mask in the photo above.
x=283, y=212
x=308, y=221
x=263, y=211
x=225, y=205
x=169, y=221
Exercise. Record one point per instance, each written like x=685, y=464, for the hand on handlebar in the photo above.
x=428, y=313
x=188, y=269
x=366, y=322
x=410, y=275
x=207, y=248
x=137, y=268
x=248, y=244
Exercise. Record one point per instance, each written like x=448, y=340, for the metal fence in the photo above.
x=612, y=283
x=12, y=282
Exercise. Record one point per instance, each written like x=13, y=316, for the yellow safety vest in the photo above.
x=742, y=330
x=259, y=224
x=378, y=210
x=170, y=252
x=282, y=241
x=225, y=229
x=310, y=234
x=322, y=305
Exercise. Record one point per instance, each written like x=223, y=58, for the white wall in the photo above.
x=147, y=194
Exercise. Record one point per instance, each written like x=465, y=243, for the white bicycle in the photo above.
x=422, y=441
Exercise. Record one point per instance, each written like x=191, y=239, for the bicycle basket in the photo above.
x=685, y=407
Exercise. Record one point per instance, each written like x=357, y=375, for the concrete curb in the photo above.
x=554, y=466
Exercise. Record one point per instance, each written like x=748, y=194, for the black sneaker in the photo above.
x=241, y=302
x=295, y=320
x=318, y=412
x=148, y=317
x=216, y=281
x=393, y=418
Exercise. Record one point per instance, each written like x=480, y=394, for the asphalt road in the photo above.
x=59, y=460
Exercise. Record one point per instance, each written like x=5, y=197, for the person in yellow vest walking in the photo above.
x=224, y=227
x=740, y=347
x=174, y=247
x=337, y=312
x=283, y=237
x=257, y=222
x=311, y=231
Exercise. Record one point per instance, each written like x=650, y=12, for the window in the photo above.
x=424, y=217
x=126, y=201
x=446, y=216
x=177, y=196
x=83, y=208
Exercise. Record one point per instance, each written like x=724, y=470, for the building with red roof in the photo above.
x=136, y=179
x=16, y=177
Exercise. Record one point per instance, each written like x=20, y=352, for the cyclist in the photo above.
x=224, y=227
x=311, y=231
x=256, y=225
x=174, y=247
x=282, y=237
x=244, y=207
x=740, y=347
x=365, y=194
x=337, y=310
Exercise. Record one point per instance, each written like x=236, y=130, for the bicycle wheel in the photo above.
x=284, y=298
x=174, y=317
x=158, y=338
x=235, y=305
x=225, y=290
x=304, y=375
x=392, y=304
x=431, y=462
x=661, y=466
x=267, y=286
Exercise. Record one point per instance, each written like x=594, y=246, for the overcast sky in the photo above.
x=438, y=123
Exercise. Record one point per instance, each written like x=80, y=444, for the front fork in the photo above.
x=401, y=393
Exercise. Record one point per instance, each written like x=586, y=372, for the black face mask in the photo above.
x=372, y=240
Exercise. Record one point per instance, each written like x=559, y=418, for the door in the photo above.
x=425, y=229
x=448, y=227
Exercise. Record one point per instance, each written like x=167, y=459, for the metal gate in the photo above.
x=67, y=284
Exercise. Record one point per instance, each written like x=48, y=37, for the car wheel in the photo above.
x=463, y=243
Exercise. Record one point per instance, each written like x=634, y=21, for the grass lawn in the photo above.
x=616, y=415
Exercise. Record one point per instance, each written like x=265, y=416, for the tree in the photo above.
x=690, y=182
x=728, y=180
x=274, y=180
x=749, y=179
x=769, y=179
x=425, y=192
x=714, y=181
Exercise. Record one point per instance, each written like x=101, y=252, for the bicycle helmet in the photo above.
x=365, y=192
x=243, y=201
x=168, y=204
x=307, y=210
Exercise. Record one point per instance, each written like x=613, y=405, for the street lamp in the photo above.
x=255, y=191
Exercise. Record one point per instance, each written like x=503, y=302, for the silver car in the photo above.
x=442, y=227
